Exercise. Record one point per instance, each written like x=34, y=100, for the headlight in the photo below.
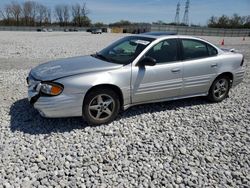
x=52, y=89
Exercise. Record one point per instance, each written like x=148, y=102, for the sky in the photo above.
x=108, y=11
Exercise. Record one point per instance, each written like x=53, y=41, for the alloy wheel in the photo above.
x=221, y=88
x=101, y=107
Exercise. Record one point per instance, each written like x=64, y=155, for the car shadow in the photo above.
x=163, y=106
x=26, y=119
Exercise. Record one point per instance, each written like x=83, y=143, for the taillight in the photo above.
x=242, y=62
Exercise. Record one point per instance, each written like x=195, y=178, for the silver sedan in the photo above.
x=136, y=69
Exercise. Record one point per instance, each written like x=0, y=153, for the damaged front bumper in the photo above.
x=63, y=105
x=33, y=89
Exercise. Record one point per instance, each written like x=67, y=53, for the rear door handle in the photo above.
x=214, y=65
x=176, y=70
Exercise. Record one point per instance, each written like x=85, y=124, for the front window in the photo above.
x=165, y=51
x=211, y=50
x=125, y=50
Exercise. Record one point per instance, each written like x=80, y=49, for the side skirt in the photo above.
x=125, y=107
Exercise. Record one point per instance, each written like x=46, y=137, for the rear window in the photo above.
x=194, y=49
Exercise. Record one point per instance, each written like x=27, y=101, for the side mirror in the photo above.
x=147, y=61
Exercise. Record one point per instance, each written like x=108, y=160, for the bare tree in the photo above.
x=34, y=12
x=80, y=14
x=76, y=14
x=66, y=14
x=48, y=16
x=236, y=21
x=84, y=10
x=59, y=13
x=62, y=13
x=212, y=22
x=2, y=16
x=29, y=12
x=246, y=21
x=42, y=13
x=15, y=11
x=6, y=13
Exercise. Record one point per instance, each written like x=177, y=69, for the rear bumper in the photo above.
x=239, y=76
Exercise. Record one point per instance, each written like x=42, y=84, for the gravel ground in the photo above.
x=27, y=49
x=185, y=143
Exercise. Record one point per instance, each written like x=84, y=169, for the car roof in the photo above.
x=156, y=35
x=159, y=35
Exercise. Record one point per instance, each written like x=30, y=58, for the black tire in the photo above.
x=96, y=112
x=219, y=89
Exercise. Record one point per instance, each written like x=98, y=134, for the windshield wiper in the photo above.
x=102, y=57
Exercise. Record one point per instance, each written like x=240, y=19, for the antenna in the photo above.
x=185, y=17
x=177, y=15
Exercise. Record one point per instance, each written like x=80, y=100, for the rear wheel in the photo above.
x=101, y=106
x=219, y=89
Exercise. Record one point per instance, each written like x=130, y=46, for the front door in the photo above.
x=162, y=81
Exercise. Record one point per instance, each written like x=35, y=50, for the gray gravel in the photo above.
x=185, y=143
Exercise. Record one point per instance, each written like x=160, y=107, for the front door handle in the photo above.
x=176, y=70
x=214, y=65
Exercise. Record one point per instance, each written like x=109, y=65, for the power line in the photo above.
x=186, y=13
x=177, y=15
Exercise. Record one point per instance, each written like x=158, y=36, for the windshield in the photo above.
x=125, y=50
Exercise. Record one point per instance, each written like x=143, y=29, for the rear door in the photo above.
x=162, y=81
x=199, y=66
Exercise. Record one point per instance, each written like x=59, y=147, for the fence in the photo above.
x=202, y=31
x=182, y=30
x=142, y=28
x=54, y=28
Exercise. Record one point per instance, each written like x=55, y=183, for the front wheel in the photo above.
x=101, y=106
x=219, y=89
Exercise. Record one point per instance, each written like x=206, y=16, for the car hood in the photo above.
x=70, y=66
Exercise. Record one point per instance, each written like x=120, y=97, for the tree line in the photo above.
x=234, y=21
x=32, y=13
